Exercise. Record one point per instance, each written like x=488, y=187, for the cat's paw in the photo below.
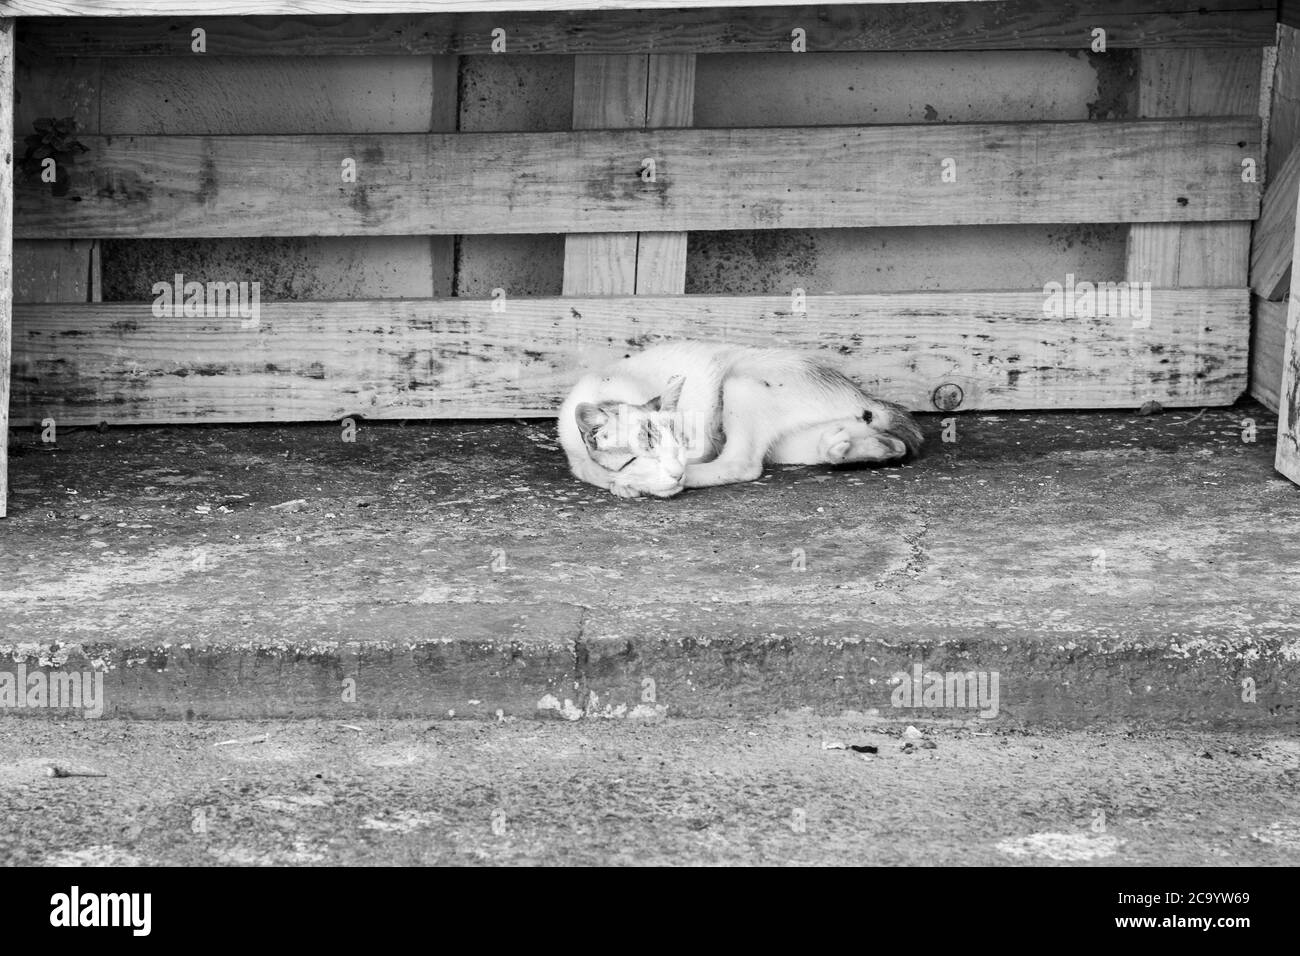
x=836, y=446
x=855, y=442
x=624, y=490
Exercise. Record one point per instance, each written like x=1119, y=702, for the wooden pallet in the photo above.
x=1173, y=173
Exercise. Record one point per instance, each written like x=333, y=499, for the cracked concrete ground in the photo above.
x=1112, y=567
x=1127, y=577
x=315, y=792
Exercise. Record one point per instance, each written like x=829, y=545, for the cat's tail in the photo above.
x=888, y=418
x=896, y=421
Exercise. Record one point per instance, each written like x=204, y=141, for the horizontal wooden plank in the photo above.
x=198, y=8
x=598, y=181
x=1007, y=24
x=452, y=358
x=1270, y=251
x=291, y=8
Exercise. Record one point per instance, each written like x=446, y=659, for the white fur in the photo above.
x=741, y=407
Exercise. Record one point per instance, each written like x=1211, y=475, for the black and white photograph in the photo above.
x=600, y=433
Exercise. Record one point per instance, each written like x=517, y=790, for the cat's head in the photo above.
x=646, y=444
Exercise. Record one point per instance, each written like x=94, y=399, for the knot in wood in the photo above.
x=947, y=397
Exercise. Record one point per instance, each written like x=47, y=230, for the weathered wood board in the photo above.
x=635, y=91
x=443, y=112
x=1284, y=99
x=1283, y=138
x=599, y=181
x=609, y=92
x=1274, y=233
x=1287, y=458
x=1176, y=83
x=7, y=163
x=1267, y=346
x=1016, y=25
x=315, y=361
x=670, y=101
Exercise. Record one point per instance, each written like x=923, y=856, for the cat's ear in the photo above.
x=589, y=418
x=667, y=402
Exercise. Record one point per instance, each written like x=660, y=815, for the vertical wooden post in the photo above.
x=1194, y=82
x=442, y=119
x=670, y=101
x=609, y=92
x=621, y=92
x=6, y=242
x=1287, y=455
x=1271, y=243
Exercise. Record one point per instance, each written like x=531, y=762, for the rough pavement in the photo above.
x=1112, y=568
x=623, y=792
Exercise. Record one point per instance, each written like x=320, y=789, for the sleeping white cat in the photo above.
x=694, y=414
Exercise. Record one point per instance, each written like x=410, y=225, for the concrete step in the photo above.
x=1107, y=568
x=558, y=661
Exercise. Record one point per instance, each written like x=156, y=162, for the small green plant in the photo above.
x=53, y=140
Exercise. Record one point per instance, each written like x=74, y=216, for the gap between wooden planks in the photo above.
x=317, y=361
